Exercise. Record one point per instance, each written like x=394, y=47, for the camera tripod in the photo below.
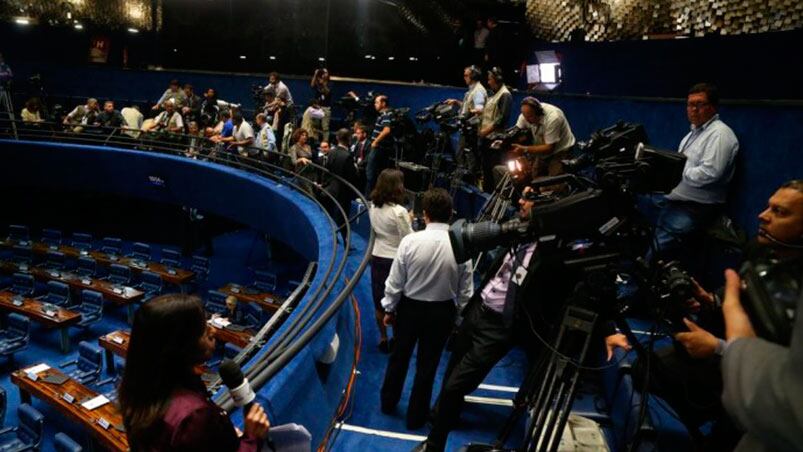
x=8, y=107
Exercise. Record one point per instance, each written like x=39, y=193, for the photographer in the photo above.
x=763, y=388
x=552, y=136
x=169, y=120
x=692, y=381
x=710, y=149
x=522, y=292
x=378, y=157
x=322, y=92
x=495, y=115
x=82, y=115
x=474, y=99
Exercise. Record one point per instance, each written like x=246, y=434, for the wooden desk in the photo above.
x=32, y=309
x=238, y=338
x=178, y=276
x=110, y=438
x=268, y=301
x=119, y=295
x=112, y=348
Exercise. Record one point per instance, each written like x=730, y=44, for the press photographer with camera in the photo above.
x=521, y=295
x=378, y=157
x=474, y=100
x=495, y=115
x=763, y=388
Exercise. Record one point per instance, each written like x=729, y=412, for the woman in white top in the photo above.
x=390, y=222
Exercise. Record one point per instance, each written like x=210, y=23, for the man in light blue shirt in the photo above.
x=710, y=149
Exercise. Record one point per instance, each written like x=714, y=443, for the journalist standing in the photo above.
x=322, y=92
x=378, y=156
x=164, y=402
x=474, y=100
x=422, y=292
x=495, y=115
x=391, y=223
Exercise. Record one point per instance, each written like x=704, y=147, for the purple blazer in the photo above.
x=193, y=422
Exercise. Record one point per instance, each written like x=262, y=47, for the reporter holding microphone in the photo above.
x=164, y=402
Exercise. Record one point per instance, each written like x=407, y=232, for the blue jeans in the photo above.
x=675, y=222
x=375, y=162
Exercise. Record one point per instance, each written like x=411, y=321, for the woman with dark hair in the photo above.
x=164, y=402
x=31, y=112
x=323, y=94
x=300, y=151
x=390, y=222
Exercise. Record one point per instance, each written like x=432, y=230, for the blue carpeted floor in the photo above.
x=235, y=255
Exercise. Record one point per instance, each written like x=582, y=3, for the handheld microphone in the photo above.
x=779, y=242
x=239, y=387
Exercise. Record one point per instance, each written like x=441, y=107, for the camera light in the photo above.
x=513, y=166
x=133, y=30
x=271, y=57
x=22, y=21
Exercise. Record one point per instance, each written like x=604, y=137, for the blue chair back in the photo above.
x=151, y=283
x=230, y=350
x=141, y=250
x=91, y=307
x=171, y=257
x=87, y=266
x=22, y=254
x=18, y=326
x=252, y=315
x=119, y=274
x=32, y=425
x=82, y=241
x=90, y=357
x=51, y=236
x=200, y=266
x=22, y=284
x=92, y=299
x=58, y=293
x=55, y=259
x=216, y=303
x=63, y=443
x=265, y=280
x=112, y=245
x=18, y=232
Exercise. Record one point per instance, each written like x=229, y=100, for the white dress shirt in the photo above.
x=425, y=269
x=390, y=223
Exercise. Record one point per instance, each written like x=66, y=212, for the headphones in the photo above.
x=496, y=73
x=534, y=104
x=474, y=73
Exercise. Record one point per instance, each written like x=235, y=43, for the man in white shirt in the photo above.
x=424, y=287
x=243, y=135
x=169, y=120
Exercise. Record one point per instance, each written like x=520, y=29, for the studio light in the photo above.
x=272, y=58
x=22, y=21
x=133, y=30
x=78, y=27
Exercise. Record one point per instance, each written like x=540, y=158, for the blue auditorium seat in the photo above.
x=252, y=315
x=3, y=406
x=82, y=241
x=264, y=281
x=87, y=266
x=88, y=364
x=55, y=260
x=112, y=245
x=22, y=284
x=200, y=266
x=216, y=303
x=16, y=335
x=18, y=232
x=58, y=294
x=28, y=435
x=114, y=381
x=171, y=257
x=91, y=307
x=21, y=254
x=151, y=284
x=51, y=237
x=140, y=251
x=63, y=443
x=119, y=274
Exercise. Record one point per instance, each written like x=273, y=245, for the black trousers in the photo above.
x=483, y=339
x=428, y=324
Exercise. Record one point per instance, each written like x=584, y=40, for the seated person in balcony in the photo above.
x=195, y=140
x=169, y=120
x=300, y=151
x=192, y=106
x=82, y=115
x=174, y=93
x=31, y=114
x=134, y=120
x=265, y=138
x=109, y=117
x=164, y=402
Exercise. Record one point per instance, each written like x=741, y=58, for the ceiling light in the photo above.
x=78, y=27
x=321, y=59
x=367, y=57
x=22, y=21
x=390, y=58
x=271, y=57
x=133, y=30
x=242, y=57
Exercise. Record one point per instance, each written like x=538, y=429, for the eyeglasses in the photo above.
x=697, y=105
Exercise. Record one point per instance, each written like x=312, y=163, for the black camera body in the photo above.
x=502, y=140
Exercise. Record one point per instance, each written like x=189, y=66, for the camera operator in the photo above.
x=710, y=149
x=474, y=99
x=424, y=286
x=693, y=383
x=169, y=120
x=378, y=157
x=552, y=136
x=174, y=93
x=495, y=115
x=522, y=292
x=82, y=115
x=763, y=388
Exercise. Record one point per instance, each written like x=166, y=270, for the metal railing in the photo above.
x=312, y=315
